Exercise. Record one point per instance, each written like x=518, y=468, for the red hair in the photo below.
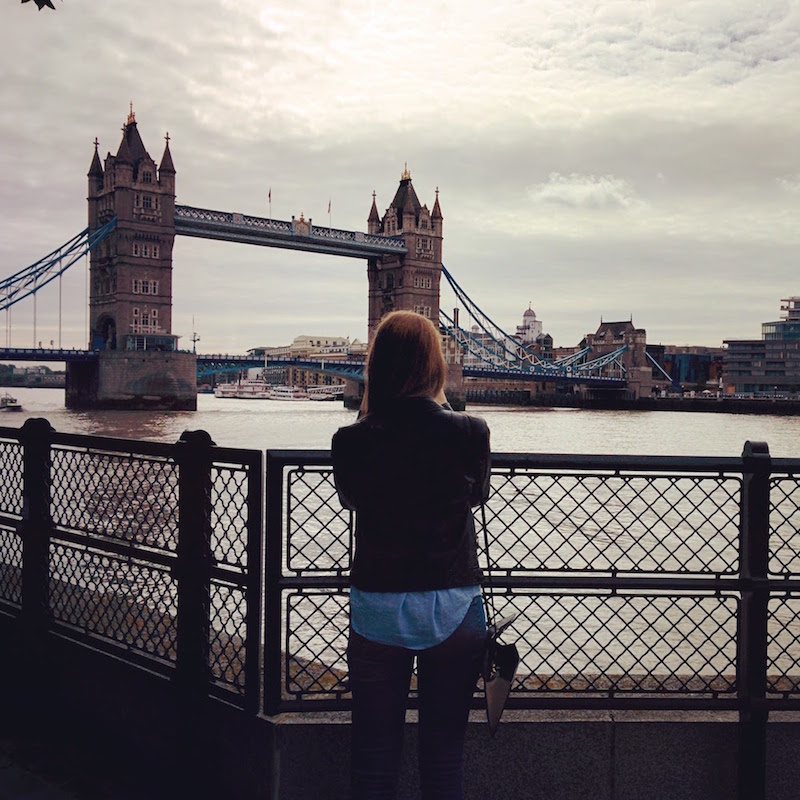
x=405, y=359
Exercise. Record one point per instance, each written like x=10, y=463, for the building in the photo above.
x=612, y=336
x=769, y=365
x=410, y=281
x=531, y=335
x=318, y=348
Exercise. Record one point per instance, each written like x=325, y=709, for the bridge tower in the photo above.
x=130, y=296
x=409, y=281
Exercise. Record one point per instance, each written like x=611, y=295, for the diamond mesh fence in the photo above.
x=229, y=515
x=126, y=600
x=10, y=566
x=783, y=646
x=623, y=643
x=227, y=636
x=784, y=524
x=614, y=523
x=604, y=640
x=318, y=529
x=317, y=625
x=235, y=589
x=121, y=496
x=10, y=478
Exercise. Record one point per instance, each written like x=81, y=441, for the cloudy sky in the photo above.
x=596, y=159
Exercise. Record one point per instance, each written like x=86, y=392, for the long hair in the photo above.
x=405, y=359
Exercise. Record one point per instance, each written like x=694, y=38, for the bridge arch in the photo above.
x=104, y=335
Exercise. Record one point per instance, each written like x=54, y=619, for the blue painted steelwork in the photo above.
x=47, y=354
x=675, y=384
x=224, y=363
x=28, y=281
x=496, y=335
x=228, y=227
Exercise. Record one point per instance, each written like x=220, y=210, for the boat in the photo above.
x=9, y=403
x=287, y=393
x=334, y=392
x=253, y=389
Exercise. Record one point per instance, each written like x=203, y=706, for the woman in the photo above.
x=411, y=469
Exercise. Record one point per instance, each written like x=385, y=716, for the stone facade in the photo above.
x=410, y=281
x=610, y=336
x=130, y=294
x=134, y=380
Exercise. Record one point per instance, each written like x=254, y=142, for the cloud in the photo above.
x=790, y=184
x=584, y=191
x=587, y=153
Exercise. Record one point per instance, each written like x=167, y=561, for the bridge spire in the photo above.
x=96, y=168
x=166, y=166
x=374, y=219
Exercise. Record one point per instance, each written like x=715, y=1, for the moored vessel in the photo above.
x=9, y=403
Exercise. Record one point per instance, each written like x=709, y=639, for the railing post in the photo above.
x=752, y=635
x=272, y=590
x=192, y=673
x=36, y=529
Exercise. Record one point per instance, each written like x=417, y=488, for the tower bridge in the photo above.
x=132, y=359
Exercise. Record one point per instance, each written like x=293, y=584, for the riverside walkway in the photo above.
x=180, y=612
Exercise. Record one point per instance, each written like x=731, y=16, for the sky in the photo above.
x=614, y=160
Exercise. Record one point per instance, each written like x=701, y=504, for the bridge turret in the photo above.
x=130, y=295
x=131, y=288
x=409, y=281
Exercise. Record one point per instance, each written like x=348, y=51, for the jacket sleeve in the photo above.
x=481, y=461
x=342, y=470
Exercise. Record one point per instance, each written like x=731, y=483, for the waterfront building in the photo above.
x=531, y=334
x=611, y=336
x=769, y=365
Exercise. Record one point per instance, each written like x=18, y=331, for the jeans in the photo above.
x=380, y=677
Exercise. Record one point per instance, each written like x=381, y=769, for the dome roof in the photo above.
x=529, y=313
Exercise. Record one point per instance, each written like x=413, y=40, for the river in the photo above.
x=263, y=424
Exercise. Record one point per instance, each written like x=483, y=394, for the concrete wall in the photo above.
x=128, y=722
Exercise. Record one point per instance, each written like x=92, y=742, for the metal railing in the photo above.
x=662, y=583
x=149, y=552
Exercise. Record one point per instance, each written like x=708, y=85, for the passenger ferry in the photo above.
x=286, y=393
x=253, y=389
x=334, y=392
x=9, y=403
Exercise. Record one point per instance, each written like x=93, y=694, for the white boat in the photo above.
x=287, y=393
x=9, y=403
x=335, y=392
x=254, y=389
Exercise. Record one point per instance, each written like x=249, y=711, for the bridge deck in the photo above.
x=230, y=227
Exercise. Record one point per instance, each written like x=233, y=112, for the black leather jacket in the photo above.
x=412, y=475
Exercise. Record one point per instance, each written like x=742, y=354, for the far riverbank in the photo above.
x=718, y=405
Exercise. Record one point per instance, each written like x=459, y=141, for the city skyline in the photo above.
x=595, y=160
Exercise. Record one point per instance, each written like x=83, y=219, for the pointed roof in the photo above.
x=437, y=210
x=166, y=160
x=374, y=216
x=131, y=148
x=124, y=152
x=405, y=198
x=96, y=167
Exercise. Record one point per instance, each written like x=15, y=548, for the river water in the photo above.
x=263, y=424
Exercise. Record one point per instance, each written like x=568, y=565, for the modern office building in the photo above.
x=769, y=365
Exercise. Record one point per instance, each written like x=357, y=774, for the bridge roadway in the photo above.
x=231, y=227
x=354, y=370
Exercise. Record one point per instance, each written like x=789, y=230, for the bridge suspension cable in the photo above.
x=30, y=280
x=495, y=339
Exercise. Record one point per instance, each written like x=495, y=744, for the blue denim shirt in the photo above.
x=414, y=620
